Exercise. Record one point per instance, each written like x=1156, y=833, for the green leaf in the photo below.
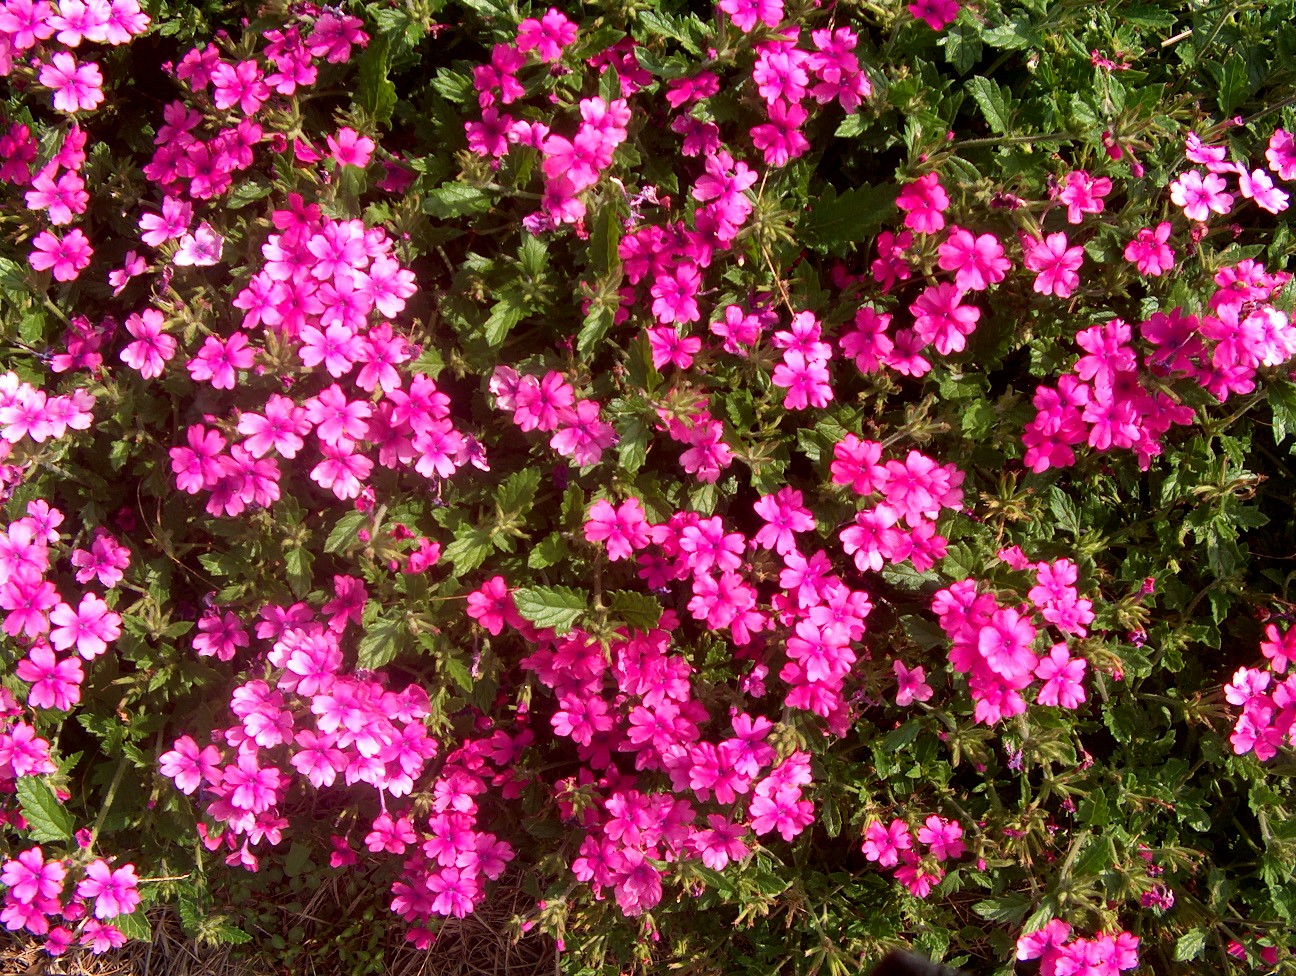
x=595, y=328
x=454, y=667
x=382, y=641
x=632, y=449
x=246, y=193
x=469, y=550
x=1011, y=908
x=962, y=44
x=134, y=926
x=297, y=566
x=375, y=91
x=1190, y=945
x=47, y=819
x=549, y=550
x=296, y=858
x=345, y=532
x=456, y=200
x=518, y=491
x=1066, y=512
x=505, y=314
x=993, y=102
x=558, y=607
x=640, y=611
x=850, y=217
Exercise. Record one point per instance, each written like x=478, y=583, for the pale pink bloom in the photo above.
x=1257, y=186
x=76, y=87
x=188, y=766
x=153, y=348
x=911, y=684
x=1199, y=196
x=200, y=249
x=89, y=628
x=113, y=891
x=1062, y=676
x=1281, y=154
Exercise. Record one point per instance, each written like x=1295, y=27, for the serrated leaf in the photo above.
x=548, y=551
x=505, y=314
x=518, y=491
x=134, y=926
x=246, y=193
x=594, y=329
x=374, y=90
x=962, y=43
x=456, y=200
x=469, y=550
x=556, y=607
x=632, y=448
x=1190, y=945
x=345, y=532
x=640, y=611
x=1008, y=908
x=383, y=640
x=458, y=673
x=993, y=102
x=851, y=216
x=297, y=567
x=47, y=819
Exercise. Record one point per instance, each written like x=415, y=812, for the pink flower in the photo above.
x=90, y=627
x=1256, y=185
x=239, y=84
x=30, y=879
x=68, y=256
x=1199, y=196
x=747, y=13
x=978, y=261
x=781, y=140
x=113, y=891
x=924, y=200
x=884, y=844
x=624, y=529
x=936, y=14
x=940, y=318
x=1062, y=676
x=807, y=381
x=1056, y=263
x=1149, y=250
x=1005, y=643
x=76, y=87
x=350, y=148
x=547, y=36
x=911, y=684
x=1083, y=194
x=55, y=684
x=201, y=249
x=1281, y=154
x=492, y=606
x=943, y=837
x=188, y=766
x=153, y=348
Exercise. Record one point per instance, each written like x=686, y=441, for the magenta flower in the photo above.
x=153, y=348
x=623, y=529
x=55, y=684
x=1083, y=194
x=1281, y=154
x=113, y=891
x=807, y=381
x=67, y=256
x=940, y=318
x=188, y=765
x=747, y=13
x=936, y=14
x=884, y=844
x=924, y=200
x=911, y=685
x=1062, y=676
x=979, y=262
x=1058, y=265
x=1150, y=252
x=201, y=249
x=350, y=148
x=1005, y=643
x=546, y=36
x=30, y=879
x=90, y=627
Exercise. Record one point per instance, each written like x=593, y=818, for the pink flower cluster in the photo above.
x=550, y=404
x=995, y=645
x=902, y=524
x=1266, y=697
x=1108, y=401
x=893, y=847
x=1201, y=195
x=34, y=897
x=1062, y=954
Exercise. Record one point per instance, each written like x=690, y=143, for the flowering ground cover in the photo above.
x=746, y=487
